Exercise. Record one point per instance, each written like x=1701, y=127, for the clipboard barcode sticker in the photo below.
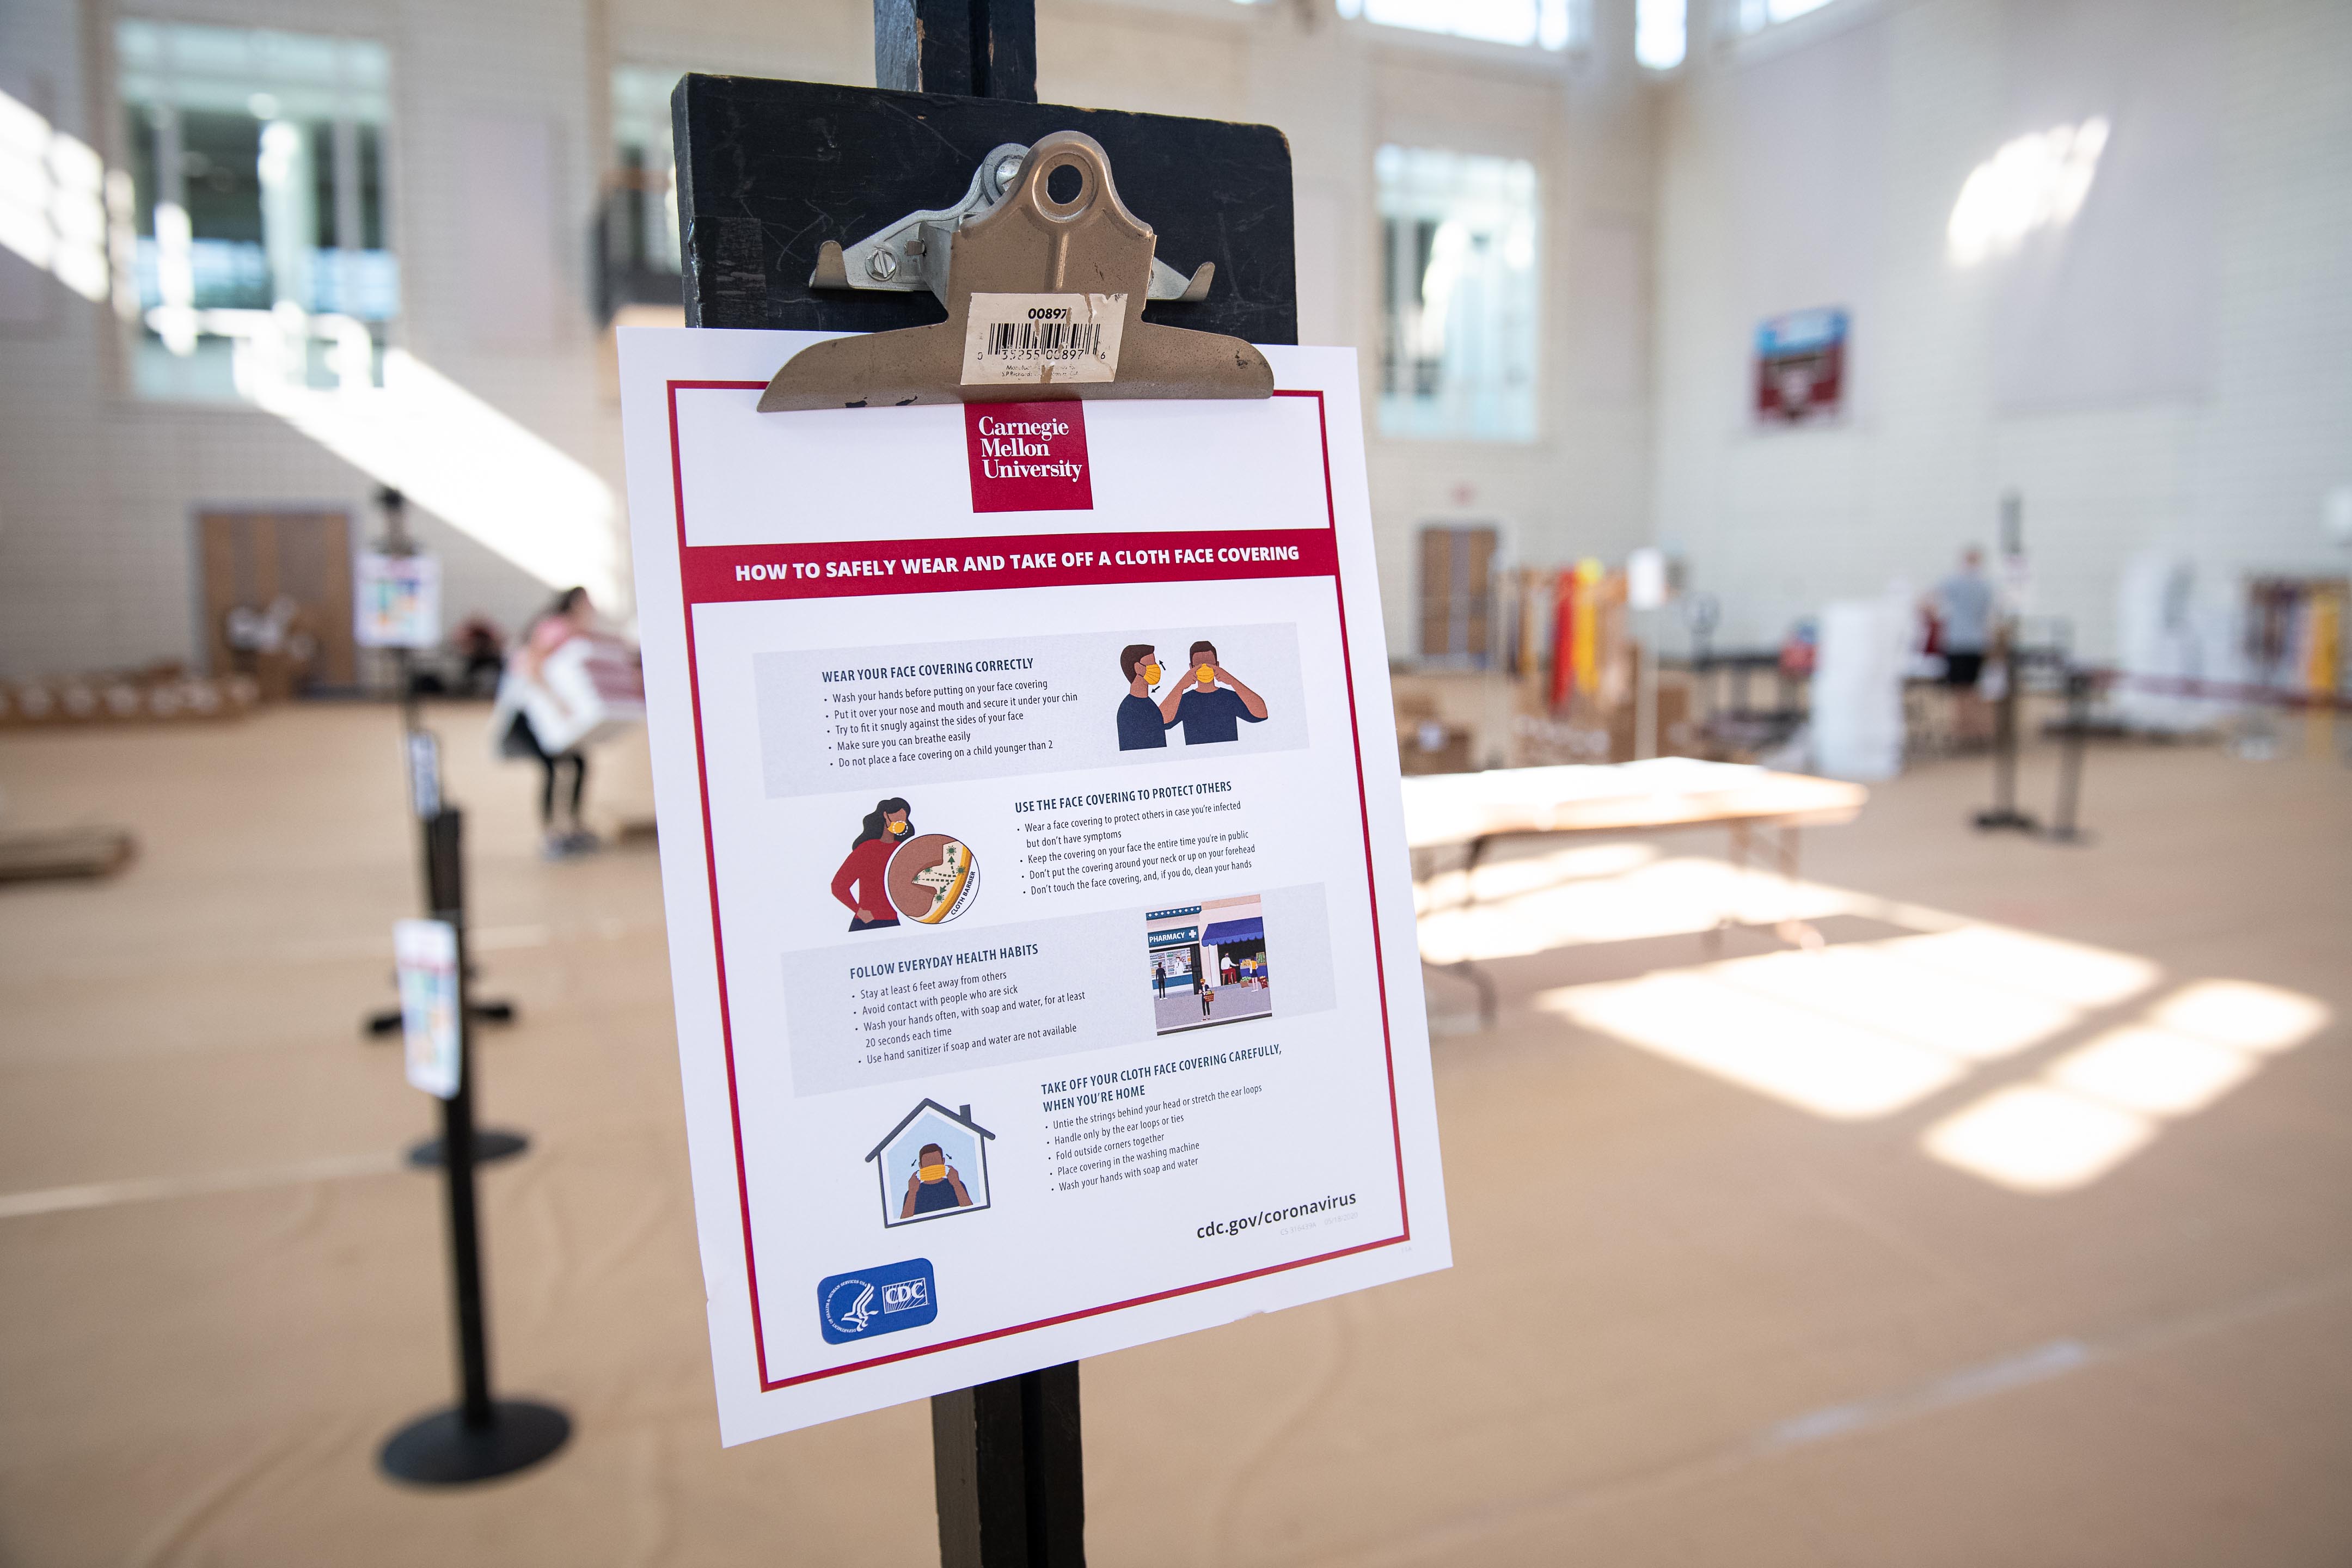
x=1014, y=339
x=1050, y=340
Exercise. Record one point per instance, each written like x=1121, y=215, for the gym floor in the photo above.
x=2014, y=1225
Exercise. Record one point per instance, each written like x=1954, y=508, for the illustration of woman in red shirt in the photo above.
x=858, y=884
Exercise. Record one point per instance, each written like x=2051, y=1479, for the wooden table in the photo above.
x=1473, y=810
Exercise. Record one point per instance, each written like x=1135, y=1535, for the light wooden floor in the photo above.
x=1767, y=1309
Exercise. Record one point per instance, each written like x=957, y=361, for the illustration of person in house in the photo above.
x=859, y=884
x=1211, y=704
x=932, y=1164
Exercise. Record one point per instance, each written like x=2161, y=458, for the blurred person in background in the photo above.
x=1963, y=606
x=481, y=648
x=572, y=614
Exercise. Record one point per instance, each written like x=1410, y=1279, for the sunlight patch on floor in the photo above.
x=1895, y=987
x=2241, y=1013
x=2022, y=964
x=2152, y=1072
x=1866, y=1029
x=2103, y=1101
x=2033, y=1139
x=1579, y=897
x=1800, y=1056
x=1862, y=1029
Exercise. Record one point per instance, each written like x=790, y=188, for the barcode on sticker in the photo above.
x=1014, y=339
x=1068, y=338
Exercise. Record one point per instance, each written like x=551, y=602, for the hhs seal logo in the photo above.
x=876, y=1300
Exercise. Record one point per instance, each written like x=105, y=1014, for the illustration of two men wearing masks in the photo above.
x=1210, y=702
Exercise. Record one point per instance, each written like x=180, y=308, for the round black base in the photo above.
x=441, y=1450
x=2017, y=819
x=489, y=1143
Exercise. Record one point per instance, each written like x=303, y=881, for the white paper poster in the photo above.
x=1040, y=923
x=425, y=957
x=397, y=601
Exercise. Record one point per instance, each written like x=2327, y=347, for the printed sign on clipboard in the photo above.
x=1035, y=873
x=425, y=954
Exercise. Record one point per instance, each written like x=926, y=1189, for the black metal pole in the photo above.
x=2004, y=762
x=444, y=891
x=2070, y=759
x=480, y=1436
x=1006, y=1463
x=443, y=857
x=2004, y=811
x=1006, y=1459
x=979, y=48
x=420, y=760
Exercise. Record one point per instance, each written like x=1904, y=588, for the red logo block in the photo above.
x=1028, y=457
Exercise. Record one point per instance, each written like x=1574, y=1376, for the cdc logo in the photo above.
x=876, y=1300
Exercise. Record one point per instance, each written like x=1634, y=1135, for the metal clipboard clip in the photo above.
x=992, y=260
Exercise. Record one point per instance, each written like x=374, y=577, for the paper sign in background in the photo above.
x=425, y=957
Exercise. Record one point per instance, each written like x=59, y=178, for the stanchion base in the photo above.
x=489, y=1143
x=387, y=1020
x=2067, y=836
x=441, y=1450
x=2017, y=819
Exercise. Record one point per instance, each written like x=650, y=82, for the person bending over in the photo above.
x=571, y=615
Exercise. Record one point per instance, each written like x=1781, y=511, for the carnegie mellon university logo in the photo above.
x=1028, y=457
x=874, y=1301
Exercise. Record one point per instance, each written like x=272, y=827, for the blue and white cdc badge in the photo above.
x=851, y=1307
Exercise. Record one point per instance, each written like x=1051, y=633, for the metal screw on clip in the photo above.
x=883, y=266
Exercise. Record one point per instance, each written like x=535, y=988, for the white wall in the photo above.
x=1340, y=91
x=2174, y=366
x=499, y=112
x=2170, y=369
x=98, y=488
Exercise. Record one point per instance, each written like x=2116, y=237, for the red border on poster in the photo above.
x=728, y=574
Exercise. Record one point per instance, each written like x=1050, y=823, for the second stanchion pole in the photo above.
x=479, y=1436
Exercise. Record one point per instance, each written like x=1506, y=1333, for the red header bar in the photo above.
x=717, y=573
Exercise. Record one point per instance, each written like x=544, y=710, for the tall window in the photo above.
x=1458, y=354
x=1755, y=15
x=257, y=159
x=641, y=222
x=1550, y=24
x=1661, y=32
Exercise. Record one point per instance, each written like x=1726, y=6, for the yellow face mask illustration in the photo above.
x=1206, y=675
x=897, y=827
x=1152, y=674
x=934, y=1172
